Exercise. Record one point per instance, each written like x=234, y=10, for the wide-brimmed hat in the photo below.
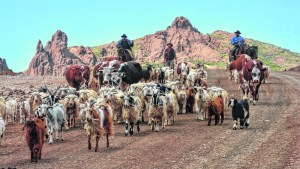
x=124, y=35
x=238, y=32
x=169, y=44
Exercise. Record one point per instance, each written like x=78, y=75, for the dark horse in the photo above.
x=243, y=49
x=125, y=55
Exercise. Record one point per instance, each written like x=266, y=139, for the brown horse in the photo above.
x=125, y=55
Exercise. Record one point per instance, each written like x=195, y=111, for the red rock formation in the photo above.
x=188, y=43
x=56, y=57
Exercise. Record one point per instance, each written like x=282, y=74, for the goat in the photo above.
x=103, y=113
x=216, y=108
x=11, y=110
x=2, y=129
x=115, y=98
x=182, y=100
x=169, y=74
x=85, y=95
x=240, y=109
x=131, y=112
x=35, y=132
x=71, y=106
x=55, y=118
x=2, y=108
x=83, y=110
x=147, y=73
x=201, y=98
x=158, y=110
x=172, y=107
x=161, y=76
x=24, y=111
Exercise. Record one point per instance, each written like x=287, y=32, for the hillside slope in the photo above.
x=191, y=45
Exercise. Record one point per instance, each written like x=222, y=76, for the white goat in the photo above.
x=11, y=110
x=2, y=129
x=24, y=111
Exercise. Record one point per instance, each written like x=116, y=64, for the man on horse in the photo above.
x=124, y=49
x=237, y=41
x=125, y=43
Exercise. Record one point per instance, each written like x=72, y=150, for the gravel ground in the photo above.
x=271, y=141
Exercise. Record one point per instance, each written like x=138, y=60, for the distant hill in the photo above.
x=191, y=45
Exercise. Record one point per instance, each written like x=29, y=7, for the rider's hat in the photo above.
x=238, y=32
x=124, y=35
x=169, y=44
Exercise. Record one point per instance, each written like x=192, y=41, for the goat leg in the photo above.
x=97, y=141
x=32, y=156
x=222, y=117
x=138, y=126
x=107, y=140
x=126, y=128
x=62, y=132
x=131, y=128
x=89, y=143
x=209, y=120
x=35, y=155
x=40, y=154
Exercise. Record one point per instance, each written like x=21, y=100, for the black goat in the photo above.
x=240, y=109
x=161, y=76
x=147, y=73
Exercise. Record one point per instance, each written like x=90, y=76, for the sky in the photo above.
x=97, y=22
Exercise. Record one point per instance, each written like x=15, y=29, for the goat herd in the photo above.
x=161, y=96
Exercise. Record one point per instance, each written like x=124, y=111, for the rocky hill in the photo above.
x=55, y=57
x=4, y=70
x=3, y=65
x=191, y=45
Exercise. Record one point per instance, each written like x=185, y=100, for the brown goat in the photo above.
x=216, y=108
x=35, y=133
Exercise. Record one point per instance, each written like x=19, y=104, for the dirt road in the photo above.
x=271, y=141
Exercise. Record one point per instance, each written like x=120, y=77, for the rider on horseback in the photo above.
x=125, y=43
x=237, y=41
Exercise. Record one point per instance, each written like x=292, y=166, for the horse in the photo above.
x=125, y=55
x=240, y=49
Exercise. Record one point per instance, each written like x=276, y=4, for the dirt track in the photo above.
x=271, y=141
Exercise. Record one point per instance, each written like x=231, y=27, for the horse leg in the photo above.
x=97, y=141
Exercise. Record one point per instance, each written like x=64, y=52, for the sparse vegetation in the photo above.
x=267, y=53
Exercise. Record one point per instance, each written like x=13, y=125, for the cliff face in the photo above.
x=3, y=65
x=55, y=57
